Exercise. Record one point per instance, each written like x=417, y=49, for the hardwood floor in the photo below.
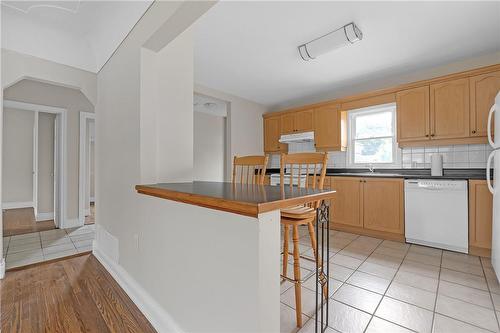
x=22, y=221
x=72, y=295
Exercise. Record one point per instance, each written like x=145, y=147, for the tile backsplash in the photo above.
x=457, y=156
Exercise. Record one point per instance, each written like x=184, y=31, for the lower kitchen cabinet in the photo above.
x=370, y=206
x=346, y=208
x=383, y=208
x=480, y=218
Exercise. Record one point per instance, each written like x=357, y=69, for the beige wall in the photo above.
x=209, y=147
x=45, y=197
x=17, y=162
x=74, y=101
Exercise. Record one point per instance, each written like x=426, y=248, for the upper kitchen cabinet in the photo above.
x=329, y=128
x=295, y=122
x=483, y=89
x=413, y=114
x=449, y=109
x=272, y=133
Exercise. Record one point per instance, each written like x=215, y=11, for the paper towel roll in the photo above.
x=436, y=165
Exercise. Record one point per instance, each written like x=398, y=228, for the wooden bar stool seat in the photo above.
x=305, y=215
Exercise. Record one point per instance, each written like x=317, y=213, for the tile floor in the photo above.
x=21, y=250
x=384, y=286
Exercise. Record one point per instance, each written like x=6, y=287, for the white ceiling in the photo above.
x=81, y=34
x=249, y=49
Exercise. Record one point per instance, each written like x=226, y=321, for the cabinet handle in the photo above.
x=474, y=132
x=427, y=135
x=433, y=135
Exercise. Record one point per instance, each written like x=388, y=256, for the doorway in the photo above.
x=86, y=202
x=33, y=158
x=210, y=151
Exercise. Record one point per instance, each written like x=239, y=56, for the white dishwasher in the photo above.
x=437, y=213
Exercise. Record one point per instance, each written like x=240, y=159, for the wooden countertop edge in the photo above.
x=231, y=206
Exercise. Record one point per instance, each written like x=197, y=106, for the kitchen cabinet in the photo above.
x=272, y=133
x=296, y=122
x=480, y=218
x=413, y=114
x=330, y=128
x=383, y=205
x=449, y=109
x=483, y=89
x=370, y=206
x=346, y=206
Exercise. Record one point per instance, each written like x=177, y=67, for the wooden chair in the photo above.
x=314, y=164
x=249, y=169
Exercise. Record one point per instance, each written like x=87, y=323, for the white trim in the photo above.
x=153, y=311
x=61, y=119
x=87, y=211
x=92, y=199
x=351, y=128
x=82, y=170
x=35, y=163
x=44, y=216
x=18, y=204
x=71, y=223
x=2, y=268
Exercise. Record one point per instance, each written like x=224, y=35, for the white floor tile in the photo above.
x=466, y=294
x=395, y=245
x=417, y=281
x=84, y=249
x=384, y=260
x=369, y=282
x=310, y=327
x=430, y=251
x=407, y=315
x=378, y=270
x=444, y=324
x=25, y=236
x=424, y=258
x=465, y=279
x=87, y=236
x=82, y=243
x=60, y=254
x=462, y=267
x=359, y=298
x=346, y=261
x=461, y=257
x=15, y=248
x=396, y=253
x=308, y=300
x=421, y=269
x=58, y=248
x=56, y=241
x=347, y=319
x=422, y=298
x=340, y=273
x=333, y=285
x=378, y=325
x=288, y=319
x=470, y=313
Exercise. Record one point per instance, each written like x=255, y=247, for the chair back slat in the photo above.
x=249, y=169
x=298, y=162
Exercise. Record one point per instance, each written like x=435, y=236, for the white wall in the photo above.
x=245, y=130
x=17, y=159
x=209, y=147
x=144, y=131
x=74, y=101
x=45, y=197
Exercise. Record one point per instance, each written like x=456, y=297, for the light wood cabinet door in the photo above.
x=413, y=114
x=483, y=89
x=480, y=214
x=327, y=128
x=346, y=206
x=303, y=121
x=288, y=123
x=449, y=109
x=272, y=134
x=383, y=205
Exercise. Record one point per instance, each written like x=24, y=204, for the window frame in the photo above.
x=351, y=130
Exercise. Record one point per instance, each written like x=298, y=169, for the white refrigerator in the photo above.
x=494, y=186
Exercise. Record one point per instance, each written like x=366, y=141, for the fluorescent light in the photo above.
x=347, y=35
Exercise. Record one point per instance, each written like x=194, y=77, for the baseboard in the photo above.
x=160, y=319
x=19, y=204
x=44, y=216
x=2, y=268
x=71, y=223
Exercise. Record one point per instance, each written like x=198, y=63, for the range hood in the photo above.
x=297, y=137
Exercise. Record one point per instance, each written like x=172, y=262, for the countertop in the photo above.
x=459, y=174
x=244, y=199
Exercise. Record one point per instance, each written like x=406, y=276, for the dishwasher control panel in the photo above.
x=432, y=184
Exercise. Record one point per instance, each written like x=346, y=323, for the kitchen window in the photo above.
x=372, y=136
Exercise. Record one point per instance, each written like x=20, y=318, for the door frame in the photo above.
x=82, y=170
x=60, y=179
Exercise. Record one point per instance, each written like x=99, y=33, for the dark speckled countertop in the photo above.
x=404, y=173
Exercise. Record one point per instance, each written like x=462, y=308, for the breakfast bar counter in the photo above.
x=221, y=245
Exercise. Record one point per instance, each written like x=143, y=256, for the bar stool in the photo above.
x=249, y=169
x=303, y=215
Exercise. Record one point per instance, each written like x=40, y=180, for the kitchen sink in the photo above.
x=369, y=174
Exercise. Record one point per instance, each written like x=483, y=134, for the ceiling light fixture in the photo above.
x=348, y=34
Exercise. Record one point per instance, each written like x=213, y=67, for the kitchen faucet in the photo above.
x=371, y=168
